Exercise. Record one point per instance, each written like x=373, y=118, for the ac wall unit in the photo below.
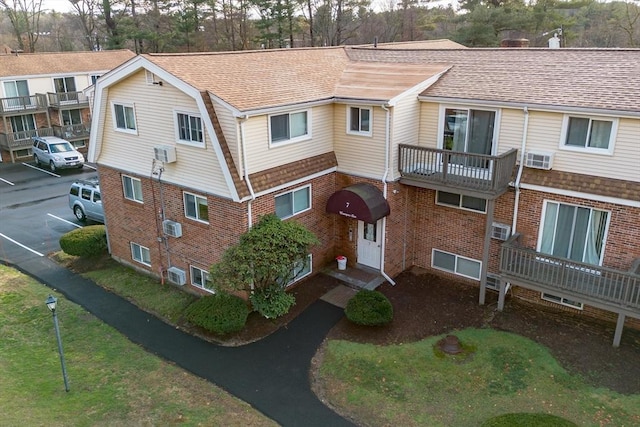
x=539, y=160
x=172, y=228
x=500, y=231
x=176, y=276
x=165, y=153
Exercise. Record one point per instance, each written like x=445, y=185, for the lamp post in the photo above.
x=51, y=305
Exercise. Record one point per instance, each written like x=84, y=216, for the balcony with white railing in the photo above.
x=18, y=105
x=602, y=287
x=446, y=170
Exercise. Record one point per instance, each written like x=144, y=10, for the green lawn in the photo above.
x=113, y=382
x=413, y=385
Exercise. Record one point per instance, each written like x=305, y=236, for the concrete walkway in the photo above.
x=272, y=374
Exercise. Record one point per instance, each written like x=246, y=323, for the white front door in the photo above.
x=369, y=244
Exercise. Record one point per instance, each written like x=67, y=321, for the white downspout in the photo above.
x=245, y=173
x=516, y=202
x=384, y=193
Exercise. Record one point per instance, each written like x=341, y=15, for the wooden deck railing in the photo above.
x=613, y=287
x=18, y=140
x=67, y=99
x=70, y=132
x=20, y=104
x=479, y=172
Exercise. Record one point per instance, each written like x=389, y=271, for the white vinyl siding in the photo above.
x=262, y=156
x=405, y=127
x=357, y=155
x=197, y=168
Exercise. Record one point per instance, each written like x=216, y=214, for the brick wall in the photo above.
x=201, y=244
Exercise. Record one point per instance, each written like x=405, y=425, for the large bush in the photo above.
x=220, y=313
x=272, y=301
x=369, y=308
x=85, y=242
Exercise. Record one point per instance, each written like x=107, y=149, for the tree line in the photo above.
x=223, y=25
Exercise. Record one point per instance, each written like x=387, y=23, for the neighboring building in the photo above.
x=41, y=94
x=513, y=169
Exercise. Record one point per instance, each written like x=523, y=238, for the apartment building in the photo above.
x=41, y=94
x=516, y=170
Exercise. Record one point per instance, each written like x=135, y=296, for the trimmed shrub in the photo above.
x=220, y=313
x=88, y=241
x=272, y=301
x=369, y=308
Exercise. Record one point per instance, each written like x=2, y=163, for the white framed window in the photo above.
x=189, y=129
x=293, y=202
x=574, y=232
x=562, y=301
x=132, y=188
x=80, y=143
x=289, y=127
x=124, y=117
x=18, y=90
x=195, y=207
x=359, y=121
x=200, y=279
x=456, y=264
x=460, y=201
x=140, y=254
x=595, y=135
x=301, y=269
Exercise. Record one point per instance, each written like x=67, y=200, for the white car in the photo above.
x=57, y=153
x=85, y=200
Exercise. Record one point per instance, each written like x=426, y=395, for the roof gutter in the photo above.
x=523, y=147
x=245, y=172
x=383, y=238
x=537, y=107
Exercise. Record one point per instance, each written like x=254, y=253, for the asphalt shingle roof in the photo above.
x=577, y=78
x=34, y=64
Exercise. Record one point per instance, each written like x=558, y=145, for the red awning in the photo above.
x=362, y=201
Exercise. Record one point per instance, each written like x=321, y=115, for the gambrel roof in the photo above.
x=56, y=63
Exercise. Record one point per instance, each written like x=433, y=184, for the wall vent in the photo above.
x=172, y=228
x=176, y=276
x=539, y=160
x=165, y=153
x=500, y=231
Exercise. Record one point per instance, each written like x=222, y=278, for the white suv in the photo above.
x=56, y=152
x=85, y=200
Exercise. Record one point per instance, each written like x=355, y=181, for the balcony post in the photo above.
x=617, y=336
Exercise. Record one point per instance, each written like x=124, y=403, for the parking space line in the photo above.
x=8, y=182
x=42, y=170
x=86, y=165
x=64, y=220
x=21, y=245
